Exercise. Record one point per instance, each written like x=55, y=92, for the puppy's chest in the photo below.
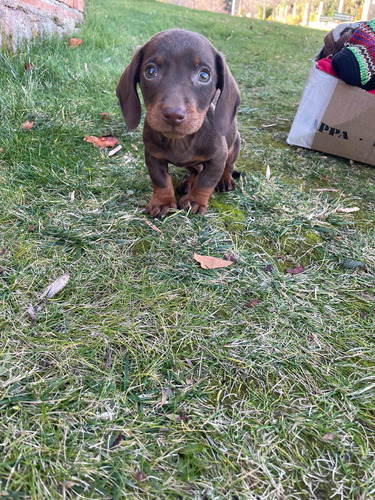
x=179, y=153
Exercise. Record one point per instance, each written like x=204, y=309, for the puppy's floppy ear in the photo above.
x=229, y=98
x=126, y=91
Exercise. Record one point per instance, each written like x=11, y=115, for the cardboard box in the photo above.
x=335, y=118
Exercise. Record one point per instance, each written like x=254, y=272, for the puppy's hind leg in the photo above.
x=226, y=183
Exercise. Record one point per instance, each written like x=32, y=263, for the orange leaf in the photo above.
x=27, y=125
x=74, y=42
x=101, y=142
x=208, y=262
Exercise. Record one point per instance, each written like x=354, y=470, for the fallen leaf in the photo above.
x=252, y=303
x=101, y=142
x=329, y=436
x=269, y=268
x=1, y=150
x=2, y=251
x=208, y=262
x=31, y=229
x=27, y=125
x=28, y=66
x=74, y=42
x=115, y=150
x=134, y=147
x=230, y=257
x=117, y=441
x=164, y=397
x=55, y=287
x=105, y=116
x=140, y=476
x=31, y=312
x=349, y=210
x=296, y=270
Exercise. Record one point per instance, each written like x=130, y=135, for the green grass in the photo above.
x=147, y=376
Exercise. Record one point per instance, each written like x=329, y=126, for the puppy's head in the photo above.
x=178, y=72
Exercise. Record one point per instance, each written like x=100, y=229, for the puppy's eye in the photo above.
x=204, y=76
x=150, y=72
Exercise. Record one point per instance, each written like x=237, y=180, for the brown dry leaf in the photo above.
x=349, y=210
x=28, y=66
x=141, y=476
x=164, y=397
x=115, y=150
x=55, y=287
x=74, y=42
x=105, y=116
x=252, y=303
x=27, y=125
x=296, y=270
x=117, y=441
x=208, y=262
x=134, y=147
x=101, y=142
x=329, y=436
x=31, y=312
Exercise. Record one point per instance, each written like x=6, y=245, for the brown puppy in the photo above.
x=179, y=73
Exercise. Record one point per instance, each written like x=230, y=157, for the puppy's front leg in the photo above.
x=163, y=193
x=203, y=186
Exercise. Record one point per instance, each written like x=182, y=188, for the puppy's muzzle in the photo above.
x=174, y=116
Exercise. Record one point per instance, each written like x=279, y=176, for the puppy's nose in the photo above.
x=174, y=116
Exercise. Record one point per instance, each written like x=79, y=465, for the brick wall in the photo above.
x=24, y=19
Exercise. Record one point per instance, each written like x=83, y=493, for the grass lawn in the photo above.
x=147, y=376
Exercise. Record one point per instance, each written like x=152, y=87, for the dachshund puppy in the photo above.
x=191, y=100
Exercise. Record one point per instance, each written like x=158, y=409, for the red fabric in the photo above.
x=326, y=66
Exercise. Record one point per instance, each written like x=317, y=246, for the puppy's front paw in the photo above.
x=158, y=207
x=196, y=205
